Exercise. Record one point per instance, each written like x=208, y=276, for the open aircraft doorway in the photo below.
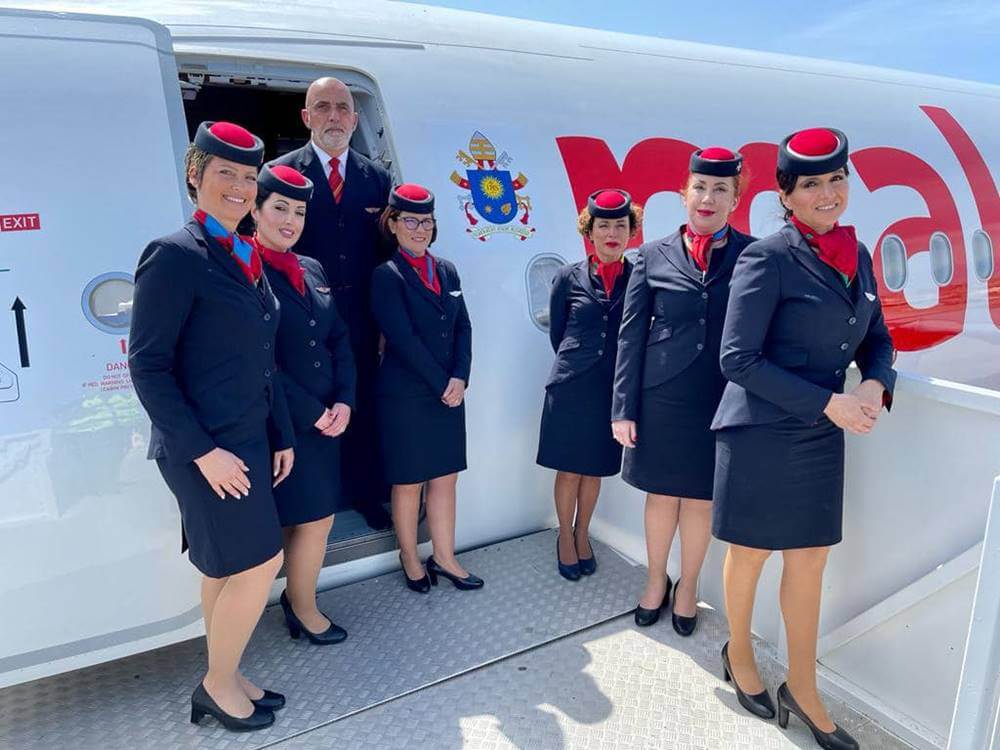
x=268, y=102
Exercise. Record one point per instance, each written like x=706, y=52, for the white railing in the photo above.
x=898, y=592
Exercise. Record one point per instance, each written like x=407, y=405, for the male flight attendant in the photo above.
x=342, y=233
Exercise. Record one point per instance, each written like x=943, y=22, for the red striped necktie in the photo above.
x=336, y=181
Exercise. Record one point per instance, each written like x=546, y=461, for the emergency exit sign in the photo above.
x=19, y=222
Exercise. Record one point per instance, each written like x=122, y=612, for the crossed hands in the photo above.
x=334, y=420
x=858, y=410
x=228, y=476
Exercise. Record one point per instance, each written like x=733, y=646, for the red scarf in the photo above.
x=424, y=266
x=285, y=262
x=609, y=272
x=251, y=270
x=701, y=244
x=838, y=248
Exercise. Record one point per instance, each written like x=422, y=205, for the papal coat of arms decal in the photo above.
x=493, y=204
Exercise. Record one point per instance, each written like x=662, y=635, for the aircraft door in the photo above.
x=92, y=137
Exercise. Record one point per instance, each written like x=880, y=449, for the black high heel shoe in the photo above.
x=759, y=704
x=646, y=617
x=202, y=705
x=588, y=565
x=269, y=701
x=569, y=572
x=420, y=585
x=838, y=739
x=333, y=634
x=469, y=583
x=683, y=625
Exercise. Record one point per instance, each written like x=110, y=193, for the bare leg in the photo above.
x=661, y=524
x=801, y=590
x=567, y=488
x=441, y=520
x=305, y=548
x=406, y=518
x=740, y=575
x=696, y=533
x=235, y=614
x=590, y=490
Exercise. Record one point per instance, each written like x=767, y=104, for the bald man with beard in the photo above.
x=342, y=233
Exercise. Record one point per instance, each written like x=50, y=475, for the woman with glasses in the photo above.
x=420, y=386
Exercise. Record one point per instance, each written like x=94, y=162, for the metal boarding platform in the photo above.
x=531, y=661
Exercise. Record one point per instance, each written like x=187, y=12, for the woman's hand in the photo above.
x=850, y=413
x=624, y=432
x=225, y=473
x=283, y=461
x=454, y=393
x=340, y=417
x=870, y=393
x=324, y=421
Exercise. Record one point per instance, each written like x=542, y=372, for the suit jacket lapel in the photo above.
x=720, y=267
x=278, y=281
x=584, y=280
x=414, y=280
x=672, y=248
x=355, y=177
x=808, y=258
x=310, y=166
x=220, y=255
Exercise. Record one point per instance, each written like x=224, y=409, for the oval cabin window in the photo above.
x=541, y=270
x=942, y=262
x=982, y=255
x=893, y=262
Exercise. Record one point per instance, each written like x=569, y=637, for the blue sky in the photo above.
x=956, y=38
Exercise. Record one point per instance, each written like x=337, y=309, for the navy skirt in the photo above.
x=228, y=536
x=312, y=490
x=779, y=486
x=421, y=438
x=575, y=434
x=675, y=451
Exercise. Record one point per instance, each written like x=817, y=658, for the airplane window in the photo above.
x=982, y=255
x=541, y=270
x=942, y=265
x=107, y=302
x=894, y=262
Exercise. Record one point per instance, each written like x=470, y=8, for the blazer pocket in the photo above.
x=789, y=357
x=568, y=344
x=659, y=334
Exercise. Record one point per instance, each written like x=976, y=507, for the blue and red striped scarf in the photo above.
x=424, y=266
x=242, y=251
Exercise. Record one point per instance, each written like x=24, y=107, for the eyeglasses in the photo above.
x=410, y=223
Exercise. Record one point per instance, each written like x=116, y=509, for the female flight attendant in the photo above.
x=420, y=386
x=804, y=305
x=585, y=311
x=317, y=373
x=668, y=383
x=201, y=354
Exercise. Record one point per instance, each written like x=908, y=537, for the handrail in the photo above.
x=975, y=723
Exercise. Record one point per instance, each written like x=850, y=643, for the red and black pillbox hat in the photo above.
x=716, y=161
x=813, y=151
x=609, y=203
x=413, y=198
x=285, y=181
x=228, y=140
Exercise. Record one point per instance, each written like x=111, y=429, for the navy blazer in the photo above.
x=201, y=349
x=428, y=337
x=792, y=329
x=583, y=322
x=314, y=348
x=344, y=237
x=673, y=315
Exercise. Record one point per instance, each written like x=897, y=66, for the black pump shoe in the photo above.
x=202, y=705
x=269, y=701
x=420, y=585
x=333, y=634
x=587, y=565
x=838, y=739
x=468, y=583
x=683, y=625
x=646, y=617
x=760, y=704
x=569, y=572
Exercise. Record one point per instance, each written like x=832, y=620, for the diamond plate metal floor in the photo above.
x=611, y=687
x=399, y=642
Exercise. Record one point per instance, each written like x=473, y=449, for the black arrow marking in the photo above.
x=22, y=334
